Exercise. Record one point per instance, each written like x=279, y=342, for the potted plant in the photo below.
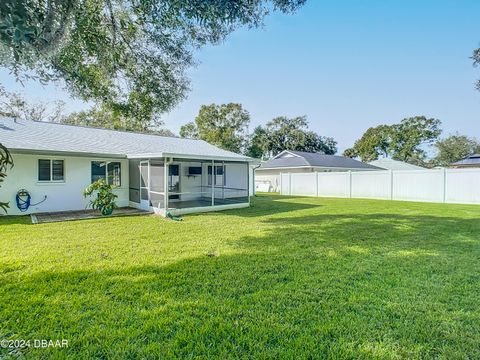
x=105, y=199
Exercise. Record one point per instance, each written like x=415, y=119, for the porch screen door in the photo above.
x=144, y=174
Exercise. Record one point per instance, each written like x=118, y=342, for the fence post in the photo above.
x=316, y=184
x=350, y=183
x=391, y=183
x=281, y=188
x=444, y=184
x=289, y=183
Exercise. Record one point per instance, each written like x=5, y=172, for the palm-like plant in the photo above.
x=105, y=199
x=6, y=161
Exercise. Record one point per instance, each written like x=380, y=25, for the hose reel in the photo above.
x=24, y=200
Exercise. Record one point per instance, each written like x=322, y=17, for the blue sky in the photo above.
x=347, y=65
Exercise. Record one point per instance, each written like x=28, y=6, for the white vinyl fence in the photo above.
x=460, y=186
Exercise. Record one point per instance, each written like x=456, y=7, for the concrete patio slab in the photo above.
x=48, y=217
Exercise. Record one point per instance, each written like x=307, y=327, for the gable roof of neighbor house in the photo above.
x=472, y=160
x=44, y=137
x=391, y=164
x=295, y=159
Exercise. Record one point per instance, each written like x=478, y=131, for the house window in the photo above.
x=219, y=178
x=51, y=170
x=110, y=171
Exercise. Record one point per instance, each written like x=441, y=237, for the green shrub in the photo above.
x=105, y=199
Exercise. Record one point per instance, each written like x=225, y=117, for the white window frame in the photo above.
x=51, y=171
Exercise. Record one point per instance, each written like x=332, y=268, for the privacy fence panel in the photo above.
x=285, y=184
x=372, y=185
x=439, y=185
x=419, y=185
x=333, y=184
x=462, y=186
x=303, y=184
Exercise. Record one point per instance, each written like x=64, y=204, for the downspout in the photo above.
x=254, y=187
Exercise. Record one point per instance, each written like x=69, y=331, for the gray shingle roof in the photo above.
x=390, y=164
x=472, y=160
x=24, y=135
x=316, y=160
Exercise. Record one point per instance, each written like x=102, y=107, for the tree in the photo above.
x=283, y=133
x=6, y=162
x=316, y=143
x=13, y=104
x=258, y=143
x=223, y=125
x=101, y=117
x=476, y=62
x=373, y=143
x=453, y=148
x=189, y=130
x=403, y=141
x=350, y=152
x=410, y=135
x=293, y=134
x=128, y=55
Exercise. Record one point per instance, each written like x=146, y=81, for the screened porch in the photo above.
x=180, y=186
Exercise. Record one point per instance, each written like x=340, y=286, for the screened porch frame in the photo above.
x=212, y=188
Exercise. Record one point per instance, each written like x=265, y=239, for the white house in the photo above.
x=267, y=176
x=54, y=163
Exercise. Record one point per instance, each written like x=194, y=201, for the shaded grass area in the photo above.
x=294, y=278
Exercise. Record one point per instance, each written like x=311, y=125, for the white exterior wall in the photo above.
x=438, y=185
x=272, y=176
x=61, y=196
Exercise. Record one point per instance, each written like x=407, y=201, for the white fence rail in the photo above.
x=461, y=186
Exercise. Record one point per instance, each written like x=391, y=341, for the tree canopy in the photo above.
x=283, y=133
x=101, y=117
x=189, y=130
x=223, y=125
x=404, y=141
x=130, y=56
x=14, y=104
x=453, y=148
x=476, y=62
x=258, y=143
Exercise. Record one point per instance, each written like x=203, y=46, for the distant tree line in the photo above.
x=226, y=126
x=410, y=141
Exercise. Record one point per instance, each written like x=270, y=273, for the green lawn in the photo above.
x=292, y=277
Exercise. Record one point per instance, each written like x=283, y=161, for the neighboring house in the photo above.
x=390, y=164
x=267, y=176
x=54, y=163
x=472, y=161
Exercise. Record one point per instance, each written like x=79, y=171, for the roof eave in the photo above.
x=320, y=167
x=193, y=157
x=65, y=153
